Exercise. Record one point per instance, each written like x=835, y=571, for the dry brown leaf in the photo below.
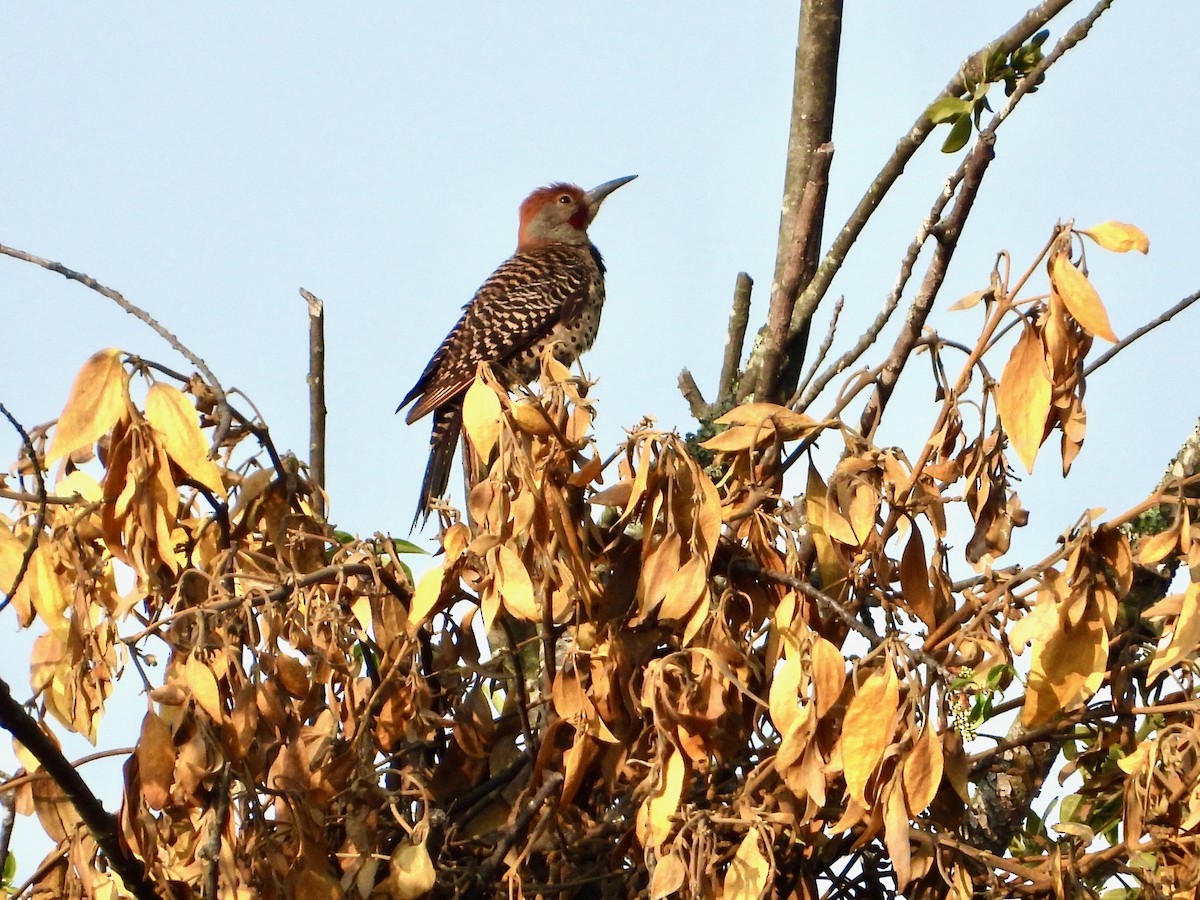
x=202, y=685
x=867, y=729
x=828, y=674
x=783, y=700
x=156, y=760
x=923, y=770
x=425, y=598
x=1184, y=637
x=685, y=589
x=669, y=874
x=1080, y=297
x=515, y=586
x=970, y=300
x=914, y=579
x=1066, y=667
x=895, y=833
x=174, y=417
x=746, y=878
x=1159, y=546
x=1023, y=397
x=412, y=872
x=1119, y=237
x=654, y=819
x=741, y=437
x=99, y=397
x=789, y=423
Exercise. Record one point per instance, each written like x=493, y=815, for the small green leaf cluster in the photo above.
x=961, y=112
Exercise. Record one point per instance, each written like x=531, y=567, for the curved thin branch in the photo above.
x=1144, y=330
x=39, y=522
x=223, y=411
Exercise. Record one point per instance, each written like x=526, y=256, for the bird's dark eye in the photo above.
x=565, y=198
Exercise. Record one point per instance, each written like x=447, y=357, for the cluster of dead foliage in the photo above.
x=639, y=675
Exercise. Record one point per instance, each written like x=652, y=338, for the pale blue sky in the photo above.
x=208, y=161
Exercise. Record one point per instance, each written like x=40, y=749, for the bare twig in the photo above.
x=691, y=393
x=13, y=783
x=831, y=606
x=830, y=334
x=512, y=834
x=223, y=411
x=210, y=853
x=51, y=499
x=39, y=522
x=948, y=232
x=316, y=397
x=1145, y=329
x=735, y=341
x=101, y=823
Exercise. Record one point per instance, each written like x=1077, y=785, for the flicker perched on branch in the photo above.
x=550, y=290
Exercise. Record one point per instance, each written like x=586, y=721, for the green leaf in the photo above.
x=10, y=870
x=403, y=546
x=960, y=133
x=947, y=109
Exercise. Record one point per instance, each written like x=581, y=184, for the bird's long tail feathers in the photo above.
x=447, y=426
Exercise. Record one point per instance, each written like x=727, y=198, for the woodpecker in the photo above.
x=550, y=290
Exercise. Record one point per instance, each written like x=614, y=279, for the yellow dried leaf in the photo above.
x=425, y=598
x=740, y=437
x=568, y=695
x=1159, y=546
x=202, y=685
x=746, y=878
x=514, y=585
x=1066, y=667
x=412, y=872
x=867, y=729
x=81, y=483
x=1119, y=237
x=98, y=399
x=685, y=589
x=923, y=770
x=655, y=814
x=1023, y=397
x=1080, y=297
x=784, y=697
x=668, y=876
x=828, y=674
x=659, y=567
x=1185, y=637
x=914, y=579
x=481, y=418
x=532, y=419
x=1137, y=760
x=970, y=300
x=174, y=417
x=48, y=594
x=787, y=422
x=12, y=551
x=895, y=834
x=156, y=760
x=455, y=541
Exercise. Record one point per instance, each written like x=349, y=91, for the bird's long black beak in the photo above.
x=596, y=195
